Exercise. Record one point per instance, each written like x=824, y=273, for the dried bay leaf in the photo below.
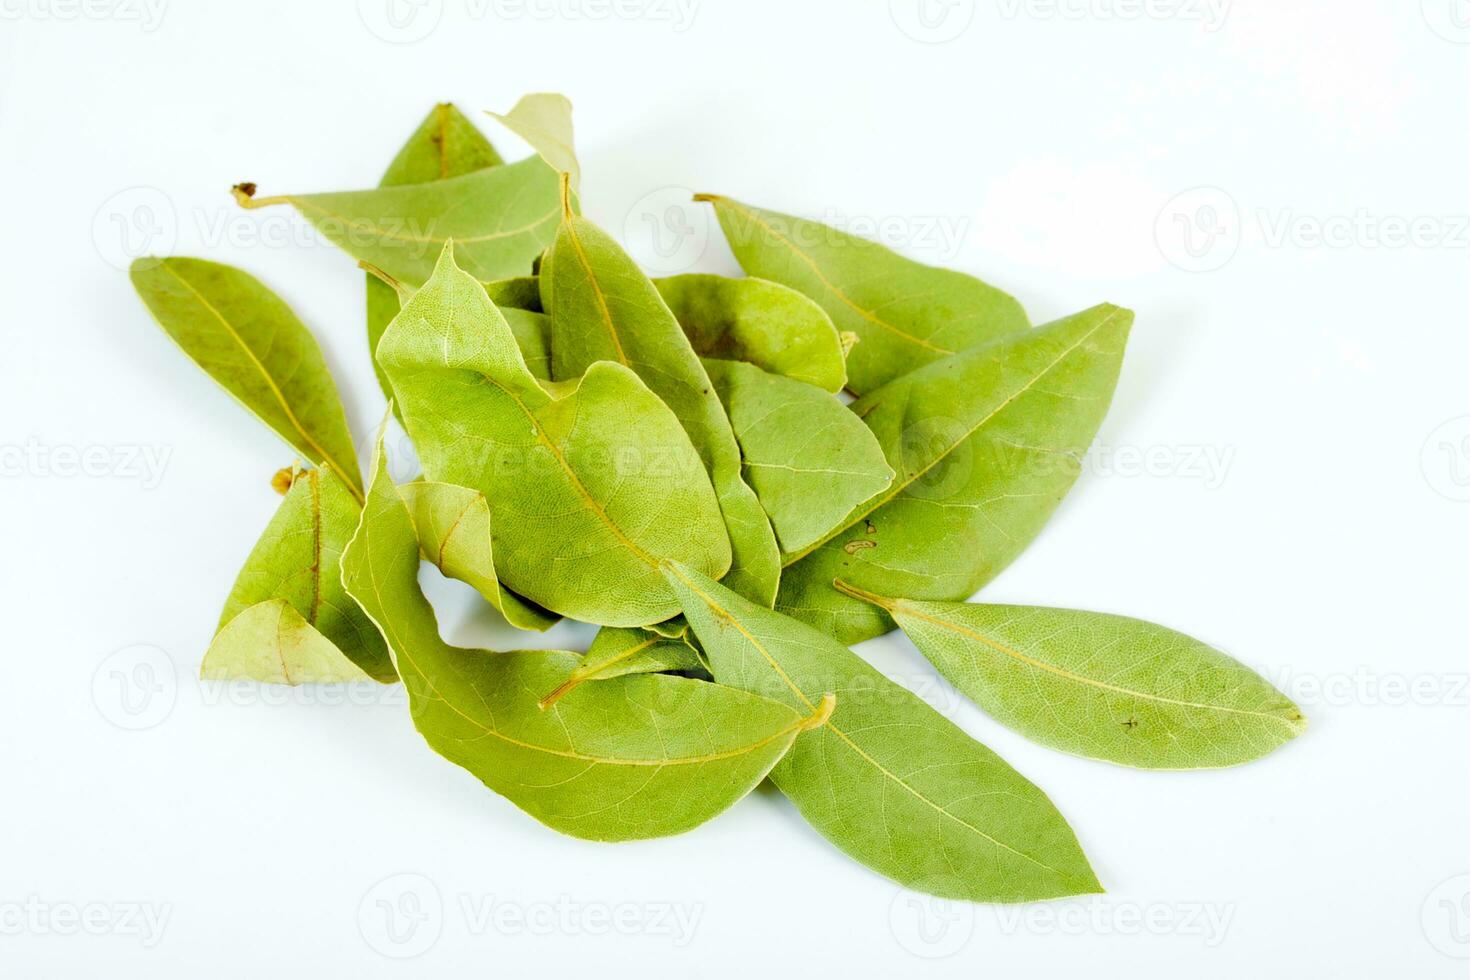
x=1101, y=686
x=904, y=313
x=544, y=120
x=453, y=528
x=446, y=144
x=809, y=459
x=270, y=643
x=247, y=339
x=763, y=323
x=888, y=779
x=604, y=309
x=296, y=562
x=985, y=444
x=593, y=481
x=619, y=652
x=500, y=219
x=633, y=757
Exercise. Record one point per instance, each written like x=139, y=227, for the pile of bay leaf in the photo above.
x=675, y=461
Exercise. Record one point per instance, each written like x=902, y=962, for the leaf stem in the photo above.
x=244, y=194
x=404, y=292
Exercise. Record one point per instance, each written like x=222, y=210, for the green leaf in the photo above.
x=809, y=459
x=516, y=293
x=246, y=338
x=296, y=561
x=532, y=332
x=634, y=757
x=446, y=144
x=904, y=313
x=985, y=444
x=592, y=481
x=620, y=652
x=500, y=218
x=544, y=120
x=888, y=779
x=531, y=329
x=1106, y=687
x=603, y=308
x=269, y=642
x=453, y=528
x=763, y=323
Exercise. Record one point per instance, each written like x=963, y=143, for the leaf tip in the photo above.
x=707, y=198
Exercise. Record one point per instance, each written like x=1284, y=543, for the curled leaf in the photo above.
x=269, y=642
x=763, y=323
x=620, y=652
x=633, y=757
x=453, y=528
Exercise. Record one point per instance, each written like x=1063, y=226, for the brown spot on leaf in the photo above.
x=853, y=547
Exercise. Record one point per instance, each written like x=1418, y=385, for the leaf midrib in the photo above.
x=270, y=381
x=901, y=608
x=901, y=484
x=887, y=773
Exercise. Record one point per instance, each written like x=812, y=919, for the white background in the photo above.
x=1284, y=473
